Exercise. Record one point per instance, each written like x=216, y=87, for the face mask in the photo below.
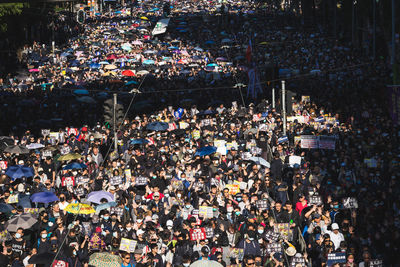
x=44, y=236
x=17, y=235
x=179, y=195
x=103, y=233
x=336, y=206
x=115, y=234
x=106, y=217
x=186, y=264
x=74, y=252
x=239, y=199
x=140, y=221
x=169, y=227
x=237, y=213
x=91, y=139
x=51, y=224
x=128, y=228
x=188, y=206
x=260, y=231
x=62, y=199
x=251, y=239
x=113, y=219
x=351, y=260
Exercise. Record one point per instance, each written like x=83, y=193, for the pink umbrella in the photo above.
x=34, y=70
x=137, y=42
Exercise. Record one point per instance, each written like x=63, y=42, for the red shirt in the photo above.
x=300, y=207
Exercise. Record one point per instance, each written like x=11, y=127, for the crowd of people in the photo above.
x=198, y=175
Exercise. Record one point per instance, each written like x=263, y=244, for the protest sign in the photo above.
x=376, y=263
x=305, y=98
x=128, y=174
x=206, y=212
x=298, y=261
x=177, y=184
x=245, y=155
x=82, y=180
x=255, y=150
x=116, y=180
x=87, y=228
x=80, y=191
x=262, y=205
x=233, y=188
x=31, y=210
x=127, y=245
x=45, y=132
x=263, y=127
x=371, y=163
x=338, y=257
x=315, y=200
x=209, y=232
x=141, y=180
x=197, y=234
x=294, y=160
x=117, y=210
x=4, y=236
x=236, y=253
x=284, y=230
x=3, y=164
x=161, y=26
x=46, y=153
x=350, y=203
x=309, y=141
x=271, y=236
x=274, y=247
x=13, y=199
x=327, y=142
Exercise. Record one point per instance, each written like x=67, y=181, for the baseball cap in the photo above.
x=170, y=223
x=335, y=226
x=140, y=232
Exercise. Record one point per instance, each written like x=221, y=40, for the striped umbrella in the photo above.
x=25, y=221
x=79, y=208
x=105, y=260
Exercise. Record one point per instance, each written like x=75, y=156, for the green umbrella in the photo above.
x=104, y=259
x=70, y=156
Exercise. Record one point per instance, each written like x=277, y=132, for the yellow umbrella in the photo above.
x=69, y=156
x=79, y=208
x=263, y=43
x=144, y=18
x=110, y=67
x=110, y=73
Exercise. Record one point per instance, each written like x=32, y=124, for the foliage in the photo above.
x=9, y=9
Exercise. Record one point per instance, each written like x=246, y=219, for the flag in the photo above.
x=248, y=52
x=254, y=86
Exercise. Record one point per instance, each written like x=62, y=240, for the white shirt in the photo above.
x=336, y=238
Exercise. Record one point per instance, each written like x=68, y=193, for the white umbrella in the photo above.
x=34, y=146
x=260, y=161
x=206, y=263
x=142, y=72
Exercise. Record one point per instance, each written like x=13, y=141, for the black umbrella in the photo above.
x=5, y=141
x=45, y=258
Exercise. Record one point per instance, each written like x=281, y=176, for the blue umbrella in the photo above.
x=157, y=126
x=131, y=82
x=212, y=65
x=19, y=171
x=97, y=196
x=24, y=201
x=210, y=42
x=44, y=197
x=148, y=62
x=204, y=151
x=81, y=92
x=94, y=65
x=139, y=142
x=75, y=165
x=105, y=206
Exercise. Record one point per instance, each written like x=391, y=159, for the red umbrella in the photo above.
x=128, y=73
x=110, y=57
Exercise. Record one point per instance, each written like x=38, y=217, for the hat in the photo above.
x=21, y=162
x=155, y=217
x=290, y=251
x=335, y=226
x=140, y=232
x=20, y=188
x=156, y=194
x=170, y=223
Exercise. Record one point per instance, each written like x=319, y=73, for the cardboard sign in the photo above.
x=294, y=160
x=236, y=253
x=315, y=200
x=3, y=164
x=271, y=236
x=350, y=203
x=128, y=245
x=376, y=263
x=197, y=234
x=116, y=180
x=209, y=232
x=274, y=247
x=262, y=205
x=141, y=180
x=233, y=188
x=338, y=257
x=206, y=212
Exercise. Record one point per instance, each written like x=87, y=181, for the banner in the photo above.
x=197, y=234
x=315, y=142
x=160, y=27
x=309, y=141
x=338, y=257
x=327, y=142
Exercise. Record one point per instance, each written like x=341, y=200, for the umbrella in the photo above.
x=260, y=161
x=5, y=141
x=226, y=40
x=4, y=208
x=144, y=18
x=44, y=258
x=142, y=72
x=34, y=146
x=69, y=156
x=148, y=62
x=81, y=92
x=94, y=65
x=128, y=73
x=79, y=208
x=19, y=171
x=104, y=63
x=206, y=263
x=16, y=150
x=86, y=99
x=139, y=142
x=110, y=67
x=44, y=197
x=204, y=151
x=104, y=259
x=75, y=165
x=97, y=196
x=157, y=126
x=137, y=42
x=105, y=206
x=25, y=221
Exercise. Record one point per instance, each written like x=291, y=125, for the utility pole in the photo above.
x=393, y=32
x=115, y=123
x=284, y=107
x=374, y=28
x=273, y=97
x=353, y=21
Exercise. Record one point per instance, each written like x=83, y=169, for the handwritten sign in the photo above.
x=116, y=180
x=262, y=204
x=274, y=247
x=209, y=232
x=127, y=245
x=271, y=236
x=197, y=234
x=206, y=212
x=233, y=188
x=315, y=200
